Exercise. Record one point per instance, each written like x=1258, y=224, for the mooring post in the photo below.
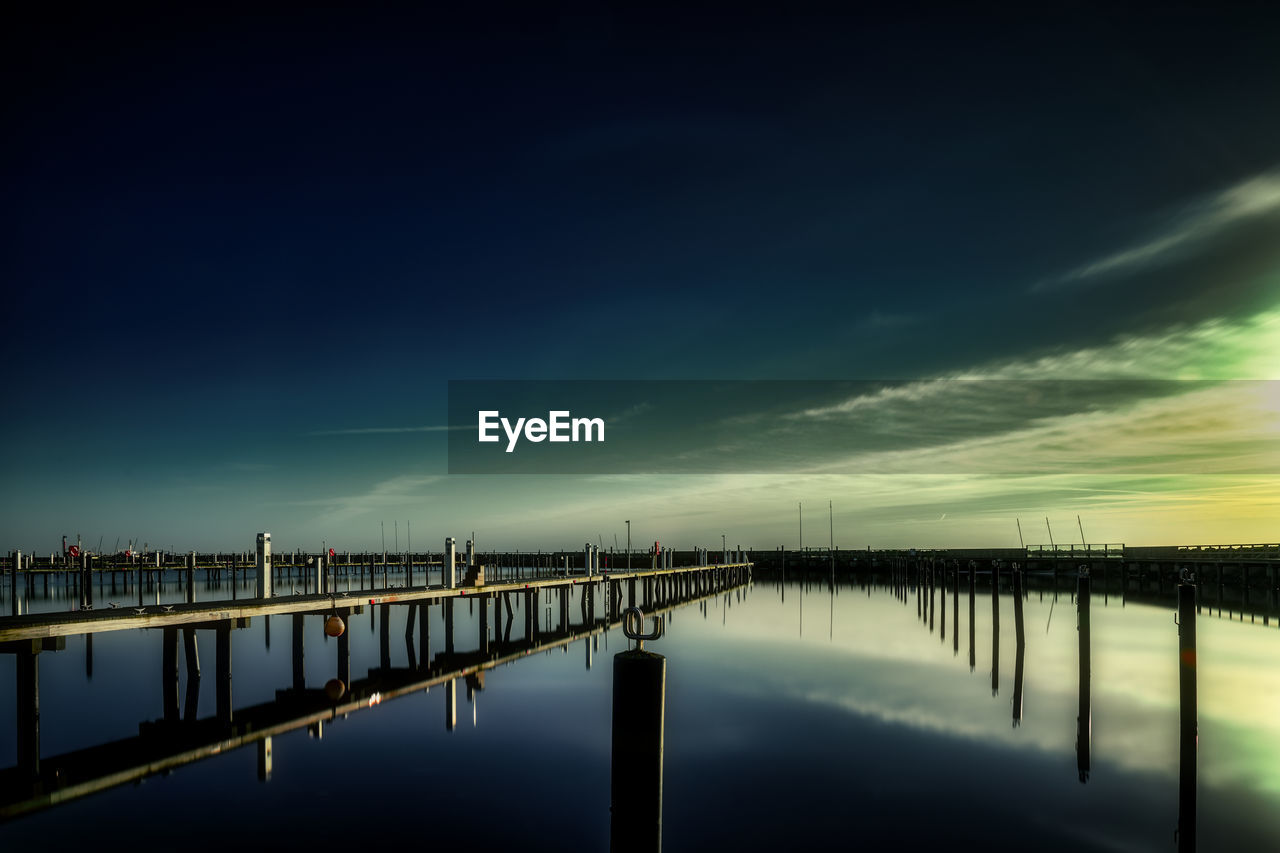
x=14, y=609
x=448, y=568
x=263, y=565
x=1188, y=724
x=639, y=700
x=1084, y=721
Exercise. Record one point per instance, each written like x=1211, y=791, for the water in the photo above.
x=793, y=716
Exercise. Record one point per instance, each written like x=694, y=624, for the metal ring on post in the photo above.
x=633, y=625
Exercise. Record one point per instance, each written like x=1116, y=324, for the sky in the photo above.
x=246, y=254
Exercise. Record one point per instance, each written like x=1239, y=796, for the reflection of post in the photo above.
x=169, y=674
x=1020, y=652
x=223, y=664
x=424, y=635
x=192, y=700
x=28, y=672
x=973, y=658
x=264, y=760
x=995, y=628
x=88, y=656
x=955, y=609
x=1084, y=722
x=344, y=649
x=384, y=636
x=639, y=698
x=450, y=704
x=1188, y=731
x=299, y=653
x=448, y=625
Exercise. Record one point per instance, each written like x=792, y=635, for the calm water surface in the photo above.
x=794, y=716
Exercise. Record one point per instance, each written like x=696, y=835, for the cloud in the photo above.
x=885, y=320
x=399, y=491
x=382, y=430
x=1256, y=197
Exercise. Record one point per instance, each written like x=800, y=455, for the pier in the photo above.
x=586, y=606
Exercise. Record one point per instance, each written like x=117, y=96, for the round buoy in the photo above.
x=334, y=688
x=333, y=626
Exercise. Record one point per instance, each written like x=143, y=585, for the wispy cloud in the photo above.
x=1256, y=197
x=383, y=430
x=887, y=320
x=400, y=491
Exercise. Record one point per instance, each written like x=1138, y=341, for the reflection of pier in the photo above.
x=177, y=739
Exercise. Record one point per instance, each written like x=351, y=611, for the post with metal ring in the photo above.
x=639, y=699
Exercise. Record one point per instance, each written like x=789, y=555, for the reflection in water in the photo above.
x=973, y=658
x=995, y=628
x=1020, y=653
x=1084, y=722
x=1188, y=734
x=887, y=684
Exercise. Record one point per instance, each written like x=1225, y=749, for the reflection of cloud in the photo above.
x=383, y=430
x=1258, y=196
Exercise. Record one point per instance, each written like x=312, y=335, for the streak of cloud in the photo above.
x=1254, y=198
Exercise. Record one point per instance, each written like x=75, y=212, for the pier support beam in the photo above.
x=448, y=567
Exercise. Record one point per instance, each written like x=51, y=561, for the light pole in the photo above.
x=723, y=549
x=628, y=544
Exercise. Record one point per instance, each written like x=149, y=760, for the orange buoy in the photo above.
x=334, y=688
x=333, y=626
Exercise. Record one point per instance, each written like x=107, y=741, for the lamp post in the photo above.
x=628, y=544
x=724, y=547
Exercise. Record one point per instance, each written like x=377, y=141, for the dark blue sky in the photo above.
x=224, y=229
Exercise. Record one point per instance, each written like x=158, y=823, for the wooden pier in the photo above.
x=38, y=782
